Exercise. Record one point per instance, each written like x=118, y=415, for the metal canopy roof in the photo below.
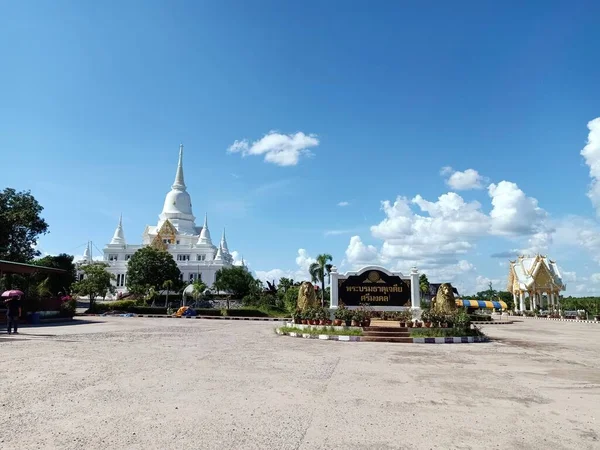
x=14, y=267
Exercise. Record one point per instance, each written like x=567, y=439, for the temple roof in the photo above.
x=534, y=271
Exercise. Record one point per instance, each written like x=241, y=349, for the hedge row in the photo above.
x=243, y=312
x=130, y=307
x=480, y=318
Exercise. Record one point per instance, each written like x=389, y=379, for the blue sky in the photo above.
x=98, y=96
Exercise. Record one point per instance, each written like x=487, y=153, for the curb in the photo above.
x=562, y=320
x=450, y=340
x=491, y=322
x=418, y=340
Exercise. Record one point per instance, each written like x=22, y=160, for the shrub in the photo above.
x=428, y=316
x=246, y=312
x=443, y=332
x=480, y=317
x=341, y=313
x=461, y=320
x=68, y=308
x=145, y=310
x=290, y=298
x=207, y=312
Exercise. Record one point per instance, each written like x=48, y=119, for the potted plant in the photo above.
x=418, y=324
x=312, y=320
x=366, y=312
x=305, y=316
x=357, y=318
x=320, y=316
x=297, y=316
x=426, y=318
x=404, y=317
x=340, y=315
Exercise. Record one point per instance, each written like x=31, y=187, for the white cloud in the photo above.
x=579, y=233
x=513, y=213
x=449, y=227
x=339, y=232
x=342, y=204
x=595, y=278
x=303, y=261
x=569, y=277
x=279, y=149
x=463, y=181
x=237, y=259
x=591, y=154
x=358, y=253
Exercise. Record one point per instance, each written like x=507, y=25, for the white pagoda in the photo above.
x=176, y=232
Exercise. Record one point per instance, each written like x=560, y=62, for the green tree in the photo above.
x=489, y=294
x=198, y=289
x=507, y=298
x=318, y=270
x=285, y=284
x=20, y=225
x=290, y=298
x=149, y=267
x=96, y=282
x=237, y=281
x=423, y=284
x=167, y=285
x=58, y=282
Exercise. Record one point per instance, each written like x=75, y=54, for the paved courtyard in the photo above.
x=140, y=383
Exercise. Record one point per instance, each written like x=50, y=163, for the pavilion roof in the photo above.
x=15, y=267
x=526, y=268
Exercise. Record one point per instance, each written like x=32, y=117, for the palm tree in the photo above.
x=167, y=285
x=318, y=270
x=43, y=288
x=198, y=290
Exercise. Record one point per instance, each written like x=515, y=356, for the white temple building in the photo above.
x=176, y=232
x=535, y=277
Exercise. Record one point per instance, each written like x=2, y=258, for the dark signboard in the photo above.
x=374, y=288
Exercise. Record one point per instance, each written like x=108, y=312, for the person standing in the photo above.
x=13, y=312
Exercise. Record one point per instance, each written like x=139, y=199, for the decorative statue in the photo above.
x=306, y=296
x=444, y=302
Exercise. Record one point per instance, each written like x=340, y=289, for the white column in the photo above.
x=415, y=290
x=522, y=301
x=515, y=301
x=333, y=291
x=551, y=294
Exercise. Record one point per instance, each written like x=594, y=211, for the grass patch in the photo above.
x=444, y=332
x=325, y=330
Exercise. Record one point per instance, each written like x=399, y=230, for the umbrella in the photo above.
x=12, y=293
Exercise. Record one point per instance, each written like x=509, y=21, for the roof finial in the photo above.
x=179, y=183
x=119, y=236
x=205, y=234
x=224, y=243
